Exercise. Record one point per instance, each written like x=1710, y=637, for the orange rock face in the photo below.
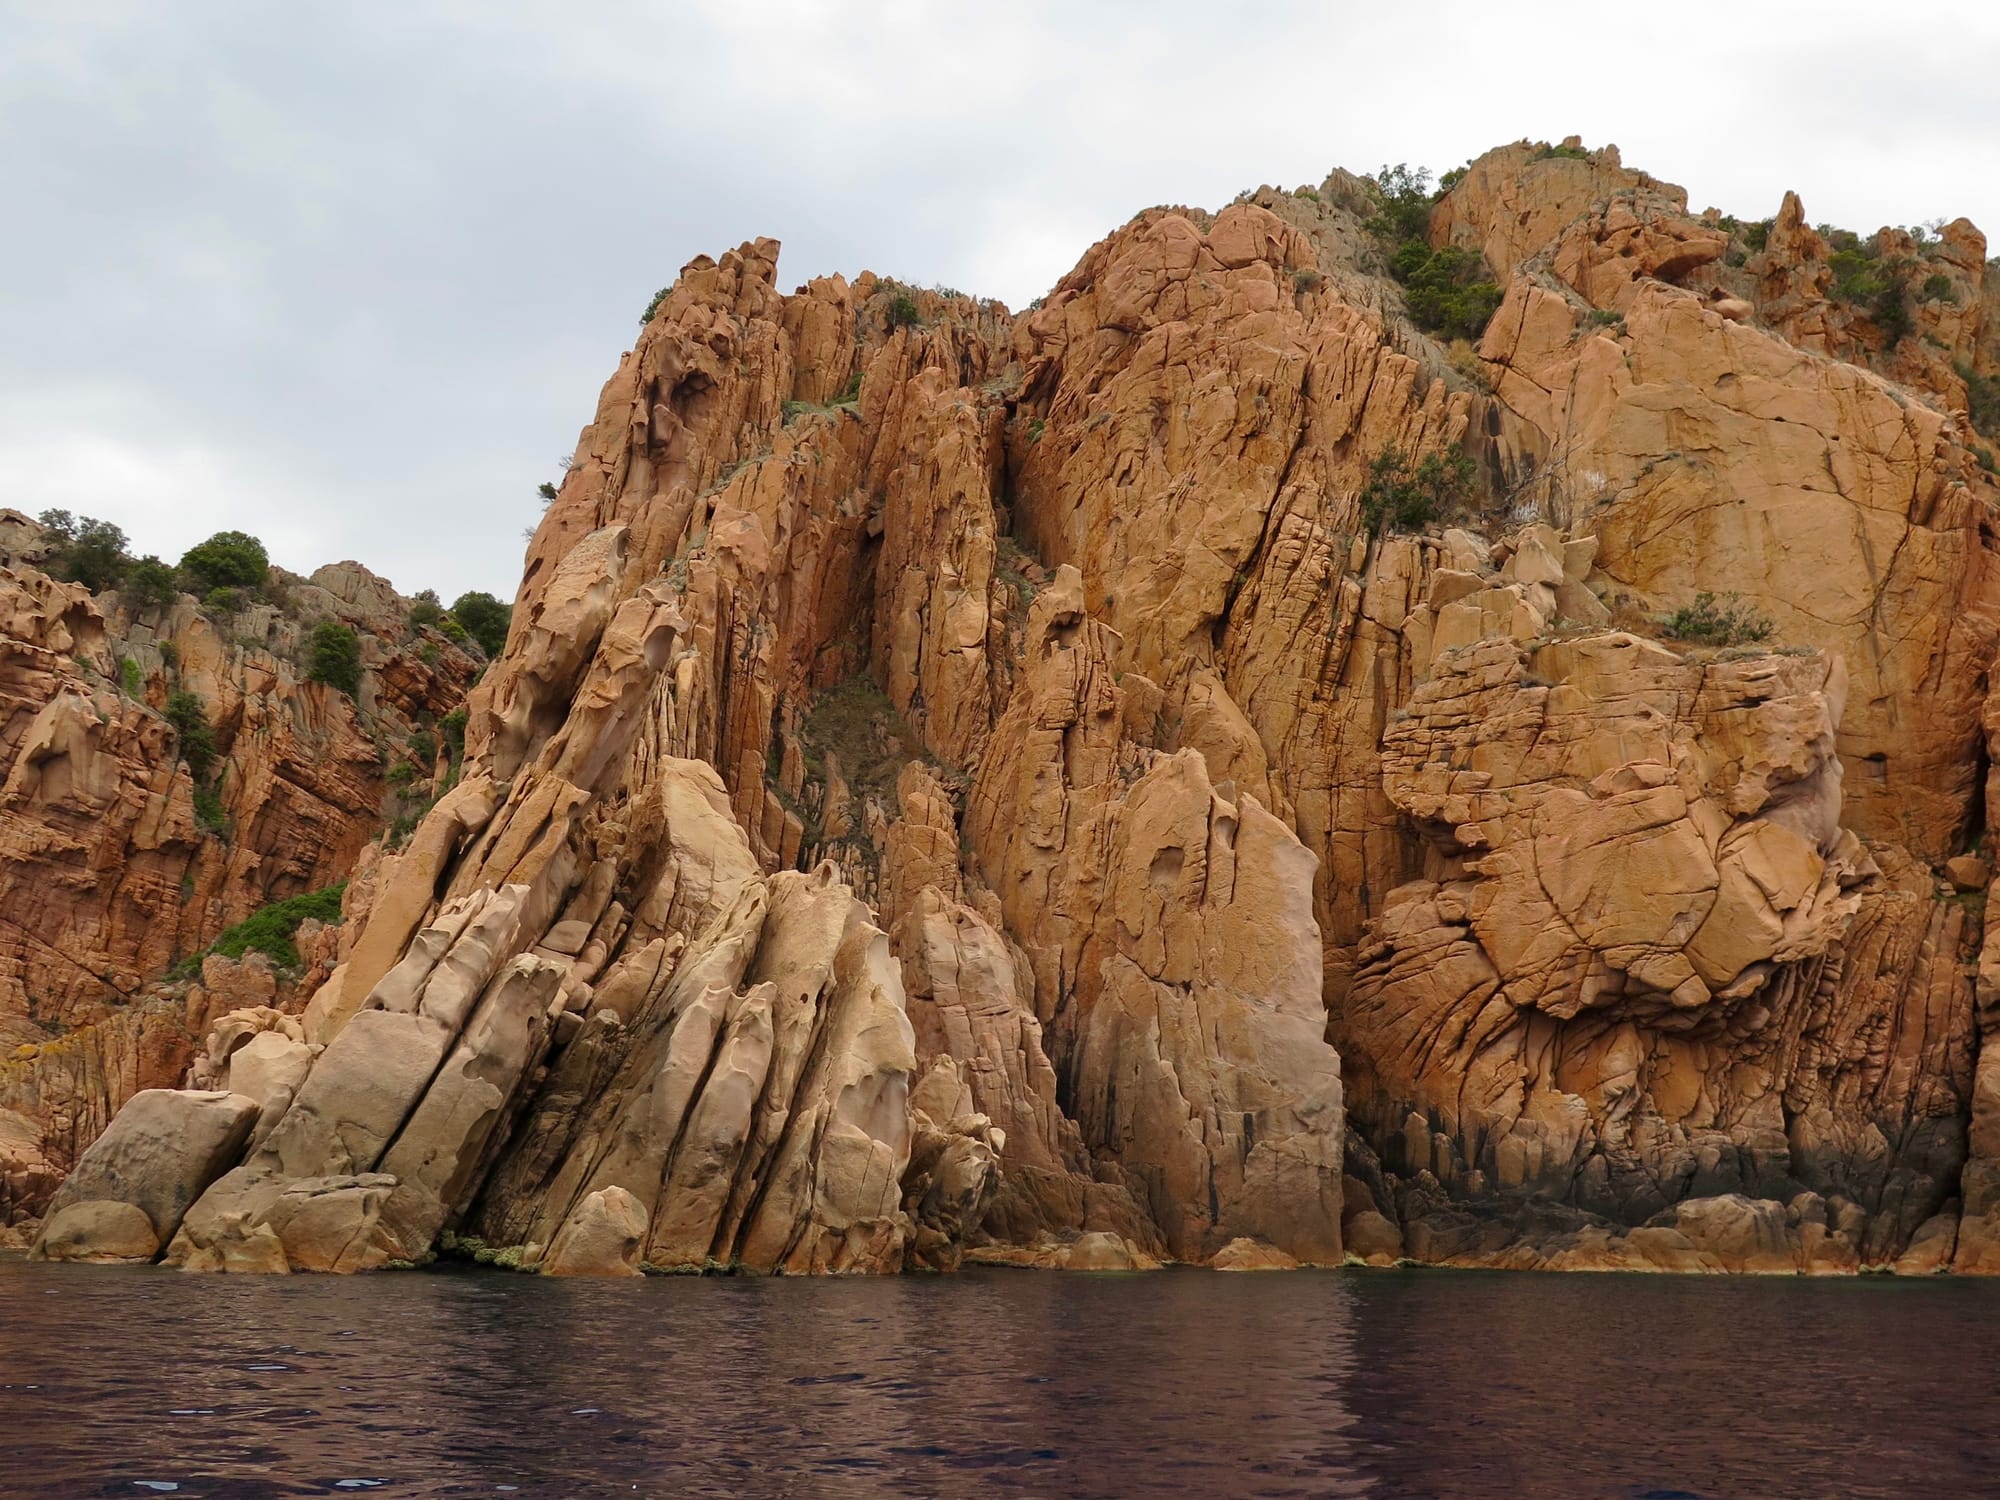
x=108, y=876
x=974, y=785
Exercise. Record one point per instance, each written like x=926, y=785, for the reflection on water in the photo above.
x=137, y=1382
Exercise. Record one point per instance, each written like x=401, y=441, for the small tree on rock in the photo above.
x=485, y=619
x=336, y=657
x=227, y=560
x=189, y=716
x=148, y=584
x=88, y=551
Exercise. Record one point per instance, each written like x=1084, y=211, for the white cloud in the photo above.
x=351, y=282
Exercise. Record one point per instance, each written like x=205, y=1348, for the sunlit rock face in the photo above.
x=967, y=786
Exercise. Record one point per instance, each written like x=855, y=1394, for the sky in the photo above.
x=348, y=275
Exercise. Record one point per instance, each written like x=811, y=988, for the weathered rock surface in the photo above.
x=109, y=874
x=955, y=781
x=126, y=1198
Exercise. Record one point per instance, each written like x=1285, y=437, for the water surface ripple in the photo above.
x=1388, y=1384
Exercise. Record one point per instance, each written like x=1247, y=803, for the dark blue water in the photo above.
x=144, y=1382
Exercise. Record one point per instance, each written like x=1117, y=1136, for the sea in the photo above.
x=466, y=1381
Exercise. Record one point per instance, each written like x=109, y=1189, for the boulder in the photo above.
x=160, y=1153
x=1244, y=1254
x=603, y=1238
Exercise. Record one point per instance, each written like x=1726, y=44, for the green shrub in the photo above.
x=1982, y=398
x=452, y=727
x=547, y=491
x=148, y=584
x=1891, y=311
x=1449, y=289
x=130, y=678
x=902, y=311
x=1407, y=495
x=1564, y=152
x=222, y=602
x=210, y=816
x=1717, y=622
x=654, y=305
x=229, y=559
x=1882, y=289
x=401, y=774
x=485, y=619
x=1937, y=288
x=1403, y=200
x=425, y=609
x=1305, y=281
x=1855, y=277
x=1757, y=235
x=451, y=630
x=269, y=929
x=336, y=657
x=189, y=716
x=87, y=551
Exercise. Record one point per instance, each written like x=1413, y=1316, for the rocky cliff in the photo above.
x=1201, y=769
x=125, y=852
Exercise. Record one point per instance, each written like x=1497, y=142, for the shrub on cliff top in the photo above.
x=148, y=584
x=87, y=551
x=1403, y=200
x=485, y=619
x=1450, y=290
x=227, y=560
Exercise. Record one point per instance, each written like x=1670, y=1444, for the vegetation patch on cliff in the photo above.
x=1410, y=494
x=855, y=722
x=1450, y=290
x=1710, y=621
x=269, y=929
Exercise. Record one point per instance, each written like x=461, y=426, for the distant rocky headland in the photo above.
x=1386, y=722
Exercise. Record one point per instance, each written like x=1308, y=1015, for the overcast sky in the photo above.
x=349, y=275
